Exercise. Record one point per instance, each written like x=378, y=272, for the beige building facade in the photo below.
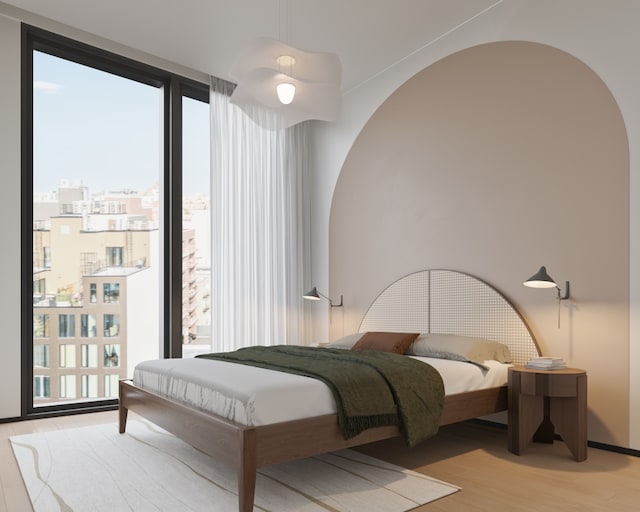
x=96, y=296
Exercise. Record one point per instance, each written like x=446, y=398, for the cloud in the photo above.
x=46, y=87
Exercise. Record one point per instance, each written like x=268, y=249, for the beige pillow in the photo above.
x=396, y=342
x=459, y=348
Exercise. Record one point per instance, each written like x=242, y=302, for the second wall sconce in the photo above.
x=541, y=279
x=314, y=294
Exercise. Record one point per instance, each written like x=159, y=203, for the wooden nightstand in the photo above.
x=540, y=400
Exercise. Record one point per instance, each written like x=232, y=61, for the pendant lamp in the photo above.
x=293, y=84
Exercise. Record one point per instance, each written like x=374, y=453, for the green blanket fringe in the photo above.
x=371, y=388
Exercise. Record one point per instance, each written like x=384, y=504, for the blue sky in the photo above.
x=105, y=131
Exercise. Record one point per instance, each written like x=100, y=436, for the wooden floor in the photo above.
x=473, y=457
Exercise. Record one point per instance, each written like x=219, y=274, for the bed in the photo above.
x=429, y=301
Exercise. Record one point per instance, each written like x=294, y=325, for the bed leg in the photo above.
x=122, y=411
x=246, y=490
x=122, y=419
x=247, y=471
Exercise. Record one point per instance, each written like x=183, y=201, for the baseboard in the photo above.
x=10, y=420
x=614, y=448
x=592, y=444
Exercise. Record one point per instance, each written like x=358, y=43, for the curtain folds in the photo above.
x=258, y=218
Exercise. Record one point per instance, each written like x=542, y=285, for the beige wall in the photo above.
x=494, y=161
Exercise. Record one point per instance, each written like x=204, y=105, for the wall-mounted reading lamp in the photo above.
x=543, y=280
x=314, y=294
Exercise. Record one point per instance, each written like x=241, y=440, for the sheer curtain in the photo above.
x=258, y=227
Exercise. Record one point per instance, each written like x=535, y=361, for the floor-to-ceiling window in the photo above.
x=103, y=223
x=196, y=222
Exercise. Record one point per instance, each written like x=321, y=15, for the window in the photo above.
x=67, y=356
x=88, y=326
x=39, y=289
x=89, y=356
x=89, y=386
x=67, y=386
x=196, y=223
x=115, y=256
x=46, y=257
x=111, y=293
x=111, y=386
x=99, y=181
x=41, y=325
x=66, y=326
x=41, y=356
x=41, y=386
x=111, y=357
x=111, y=326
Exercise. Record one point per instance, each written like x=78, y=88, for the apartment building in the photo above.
x=95, y=283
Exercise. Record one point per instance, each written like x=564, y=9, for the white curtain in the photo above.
x=258, y=227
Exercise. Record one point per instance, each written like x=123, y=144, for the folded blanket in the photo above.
x=370, y=388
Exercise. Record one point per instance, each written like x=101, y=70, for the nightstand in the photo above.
x=542, y=402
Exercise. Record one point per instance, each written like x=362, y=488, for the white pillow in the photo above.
x=346, y=342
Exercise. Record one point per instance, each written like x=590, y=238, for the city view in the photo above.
x=97, y=212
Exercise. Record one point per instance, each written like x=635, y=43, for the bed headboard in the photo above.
x=450, y=302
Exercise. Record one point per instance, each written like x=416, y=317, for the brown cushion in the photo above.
x=396, y=342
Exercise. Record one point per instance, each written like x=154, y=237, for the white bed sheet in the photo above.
x=257, y=396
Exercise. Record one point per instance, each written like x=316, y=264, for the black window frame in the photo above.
x=174, y=87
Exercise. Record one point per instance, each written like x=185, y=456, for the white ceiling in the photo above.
x=206, y=35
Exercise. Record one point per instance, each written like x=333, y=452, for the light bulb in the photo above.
x=286, y=92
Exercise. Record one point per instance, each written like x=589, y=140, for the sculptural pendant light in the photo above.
x=286, y=90
x=295, y=85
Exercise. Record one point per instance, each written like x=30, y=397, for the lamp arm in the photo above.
x=330, y=301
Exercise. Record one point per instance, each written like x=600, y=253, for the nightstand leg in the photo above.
x=526, y=412
x=531, y=414
x=569, y=416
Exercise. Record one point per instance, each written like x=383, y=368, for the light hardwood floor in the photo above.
x=471, y=456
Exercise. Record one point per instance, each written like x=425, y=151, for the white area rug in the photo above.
x=148, y=469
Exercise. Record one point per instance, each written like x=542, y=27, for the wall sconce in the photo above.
x=314, y=294
x=543, y=280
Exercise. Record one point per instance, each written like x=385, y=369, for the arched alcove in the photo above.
x=493, y=161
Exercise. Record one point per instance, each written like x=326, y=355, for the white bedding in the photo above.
x=257, y=396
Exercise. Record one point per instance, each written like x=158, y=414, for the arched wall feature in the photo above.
x=450, y=302
x=494, y=161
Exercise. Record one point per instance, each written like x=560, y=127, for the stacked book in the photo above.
x=546, y=363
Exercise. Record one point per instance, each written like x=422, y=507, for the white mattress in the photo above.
x=257, y=396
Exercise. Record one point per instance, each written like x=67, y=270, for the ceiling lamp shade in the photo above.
x=294, y=84
x=286, y=92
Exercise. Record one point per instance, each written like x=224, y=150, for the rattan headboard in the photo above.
x=450, y=302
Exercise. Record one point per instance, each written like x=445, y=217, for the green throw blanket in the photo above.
x=371, y=388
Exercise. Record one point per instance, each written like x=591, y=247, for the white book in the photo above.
x=546, y=363
x=545, y=359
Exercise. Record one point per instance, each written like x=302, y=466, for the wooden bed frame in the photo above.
x=438, y=301
x=248, y=448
